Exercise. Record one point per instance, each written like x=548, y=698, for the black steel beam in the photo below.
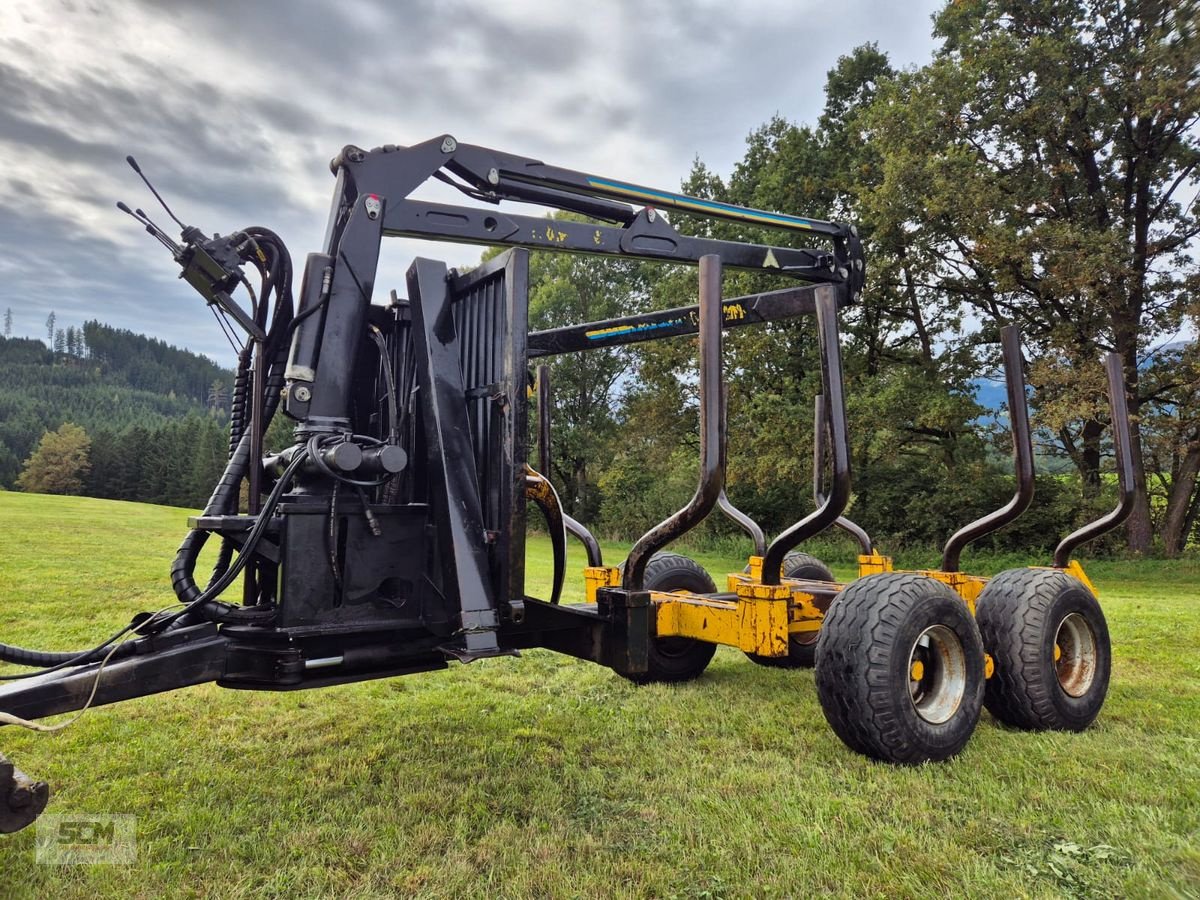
x=752, y=309
x=453, y=484
x=648, y=236
x=173, y=660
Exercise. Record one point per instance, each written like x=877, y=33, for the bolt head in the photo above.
x=449, y=145
x=303, y=394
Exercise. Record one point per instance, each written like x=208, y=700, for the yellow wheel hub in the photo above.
x=917, y=672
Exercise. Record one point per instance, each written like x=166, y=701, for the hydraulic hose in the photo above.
x=41, y=659
x=224, y=494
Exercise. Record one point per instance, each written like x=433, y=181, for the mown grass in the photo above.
x=543, y=776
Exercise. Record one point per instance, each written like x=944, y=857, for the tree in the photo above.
x=8, y=322
x=60, y=342
x=907, y=374
x=1042, y=167
x=50, y=319
x=59, y=463
x=218, y=396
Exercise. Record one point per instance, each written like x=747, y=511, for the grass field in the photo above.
x=543, y=776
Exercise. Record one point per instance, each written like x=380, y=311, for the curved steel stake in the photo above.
x=712, y=470
x=1018, y=415
x=735, y=515
x=539, y=489
x=851, y=528
x=1122, y=444
x=574, y=528
x=831, y=374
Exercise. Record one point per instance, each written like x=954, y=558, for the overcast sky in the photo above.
x=234, y=109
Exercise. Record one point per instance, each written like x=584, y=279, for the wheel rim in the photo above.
x=937, y=674
x=1075, y=655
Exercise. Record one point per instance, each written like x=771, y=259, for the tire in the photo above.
x=675, y=659
x=874, y=633
x=1025, y=616
x=802, y=647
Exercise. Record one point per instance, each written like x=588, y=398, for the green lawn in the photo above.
x=543, y=776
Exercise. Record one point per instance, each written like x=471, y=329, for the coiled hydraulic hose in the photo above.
x=223, y=496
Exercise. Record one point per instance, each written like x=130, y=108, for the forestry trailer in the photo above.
x=389, y=538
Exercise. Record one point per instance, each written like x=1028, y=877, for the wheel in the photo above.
x=802, y=646
x=676, y=658
x=900, y=668
x=1048, y=638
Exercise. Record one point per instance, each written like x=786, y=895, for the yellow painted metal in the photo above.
x=1057, y=653
x=755, y=621
x=733, y=579
x=1075, y=568
x=873, y=564
x=966, y=586
x=596, y=577
x=989, y=666
x=917, y=672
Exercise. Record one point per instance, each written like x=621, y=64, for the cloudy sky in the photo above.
x=234, y=109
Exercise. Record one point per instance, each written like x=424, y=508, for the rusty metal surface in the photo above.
x=21, y=798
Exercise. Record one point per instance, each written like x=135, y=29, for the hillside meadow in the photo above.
x=545, y=776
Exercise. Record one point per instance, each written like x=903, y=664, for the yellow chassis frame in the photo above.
x=760, y=618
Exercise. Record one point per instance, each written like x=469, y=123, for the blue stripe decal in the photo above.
x=682, y=200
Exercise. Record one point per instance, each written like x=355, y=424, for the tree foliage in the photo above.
x=1042, y=171
x=59, y=463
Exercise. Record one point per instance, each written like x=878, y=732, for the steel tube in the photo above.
x=576, y=529
x=820, y=426
x=1118, y=404
x=735, y=515
x=712, y=472
x=831, y=374
x=1018, y=414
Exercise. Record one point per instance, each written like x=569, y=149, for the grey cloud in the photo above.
x=661, y=81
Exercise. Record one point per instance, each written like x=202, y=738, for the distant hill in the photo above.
x=104, y=379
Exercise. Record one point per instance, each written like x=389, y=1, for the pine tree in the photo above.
x=8, y=322
x=50, y=329
x=60, y=341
